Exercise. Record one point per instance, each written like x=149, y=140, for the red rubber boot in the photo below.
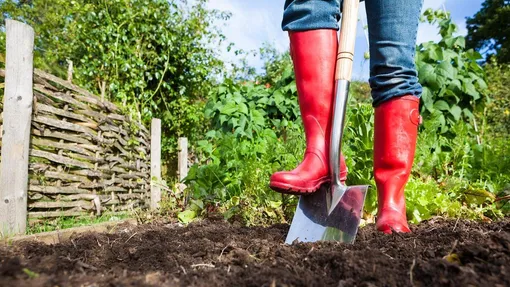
x=395, y=131
x=314, y=58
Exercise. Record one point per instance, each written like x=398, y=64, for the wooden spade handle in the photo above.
x=345, y=55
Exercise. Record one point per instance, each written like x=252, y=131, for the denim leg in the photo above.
x=303, y=15
x=392, y=27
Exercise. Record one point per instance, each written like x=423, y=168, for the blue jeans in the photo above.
x=392, y=27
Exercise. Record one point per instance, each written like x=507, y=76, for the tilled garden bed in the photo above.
x=216, y=253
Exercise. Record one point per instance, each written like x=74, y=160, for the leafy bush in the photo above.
x=248, y=109
x=453, y=82
x=498, y=109
x=157, y=58
x=237, y=174
x=254, y=132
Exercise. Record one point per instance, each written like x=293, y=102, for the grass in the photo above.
x=59, y=223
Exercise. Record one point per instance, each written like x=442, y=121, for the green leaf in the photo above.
x=229, y=108
x=211, y=134
x=473, y=55
x=481, y=83
x=426, y=73
x=243, y=108
x=186, y=216
x=263, y=101
x=456, y=112
x=440, y=82
x=235, y=200
x=442, y=122
x=435, y=53
x=242, y=122
x=449, y=55
x=257, y=118
x=441, y=105
x=468, y=113
x=470, y=89
x=460, y=42
x=417, y=215
x=449, y=41
x=456, y=84
x=447, y=70
x=427, y=99
x=223, y=119
x=293, y=87
x=234, y=122
x=275, y=204
x=222, y=89
x=278, y=97
x=197, y=203
x=31, y=274
x=237, y=97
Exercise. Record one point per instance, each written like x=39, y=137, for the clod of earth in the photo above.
x=215, y=253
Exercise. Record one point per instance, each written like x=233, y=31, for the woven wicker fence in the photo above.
x=85, y=155
x=64, y=150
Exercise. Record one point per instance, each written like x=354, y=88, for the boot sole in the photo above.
x=297, y=190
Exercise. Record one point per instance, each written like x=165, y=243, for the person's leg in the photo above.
x=306, y=15
x=393, y=26
x=312, y=27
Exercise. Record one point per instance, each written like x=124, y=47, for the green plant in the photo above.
x=453, y=82
x=31, y=274
x=247, y=109
x=497, y=113
x=234, y=179
x=255, y=130
x=424, y=198
x=156, y=58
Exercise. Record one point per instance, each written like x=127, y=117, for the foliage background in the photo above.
x=158, y=58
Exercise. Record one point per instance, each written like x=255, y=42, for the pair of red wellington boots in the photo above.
x=395, y=130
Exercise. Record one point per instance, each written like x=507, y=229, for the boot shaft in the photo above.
x=314, y=60
x=396, y=128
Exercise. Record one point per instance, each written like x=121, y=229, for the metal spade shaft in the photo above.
x=343, y=74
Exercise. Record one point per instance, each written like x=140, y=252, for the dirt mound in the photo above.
x=216, y=253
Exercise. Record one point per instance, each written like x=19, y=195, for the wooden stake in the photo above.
x=183, y=158
x=155, y=163
x=18, y=99
x=70, y=71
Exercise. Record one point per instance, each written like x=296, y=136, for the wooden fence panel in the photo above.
x=85, y=155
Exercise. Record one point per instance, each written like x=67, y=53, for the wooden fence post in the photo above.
x=155, y=163
x=70, y=71
x=18, y=99
x=182, y=164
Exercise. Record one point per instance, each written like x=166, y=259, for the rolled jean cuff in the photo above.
x=404, y=87
x=304, y=15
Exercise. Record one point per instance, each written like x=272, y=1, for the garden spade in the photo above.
x=333, y=213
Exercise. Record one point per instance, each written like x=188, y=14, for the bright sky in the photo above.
x=256, y=22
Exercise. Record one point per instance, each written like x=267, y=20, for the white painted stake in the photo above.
x=18, y=99
x=155, y=163
x=182, y=164
x=183, y=158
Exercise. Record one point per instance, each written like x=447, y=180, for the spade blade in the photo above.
x=321, y=217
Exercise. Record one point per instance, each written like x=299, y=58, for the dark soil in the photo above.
x=215, y=253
